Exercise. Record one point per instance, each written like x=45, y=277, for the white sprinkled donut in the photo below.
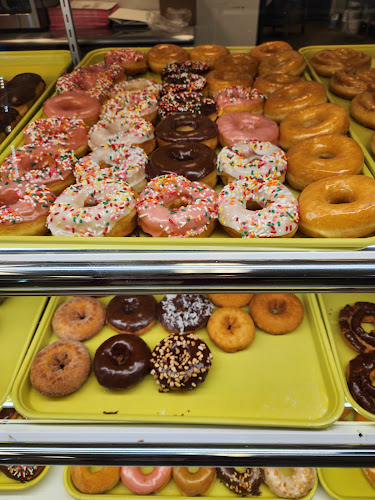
x=239, y=98
x=251, y=158
x=135, y=85
x=275, y=213
x=295, y=486
x=132, y=61
x=141, y=103
x=96, y=85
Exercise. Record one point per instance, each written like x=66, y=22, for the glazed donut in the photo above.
x=243, y=126
x=370, y=476
x=230, y=299
x=136, y=85
x=268, y=48
x=80, y=318
x=251, y=158
x=236, y=99
x=328, y=61
x=140, y=103
x=186, y=127
x=348, y=84
x=272, y=212
x=290, y=62
x=231, y=329
x=180, y=362
x=197, y=67
x=219, y=80
x=22, y=91
x=22, y=473
x=94, y=483
x=193, y=160
x=338, y=207
x=270, y=82
x=184, y=313
x=60, y=368
x=97, y=85
x=320, y=119
x=196, y=483
x=208, y=54
x=360, y=376
x=183, y=102
x=144, y=484
x=47, y=164
x=76, y=104
x=297, y=485
x=276, y=313
x=121, y=361
x=362, y=109
x=292, y=98
x=131, y=61
x=68, y=133
x=241, y=483
x=243, y=63
x=135, y=314
x=183, y=82
x=163, y=54
x=350, y=321
x=322, y=156
x=24, y=208
x=172, y=206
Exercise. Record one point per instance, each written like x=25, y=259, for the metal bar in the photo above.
x=70, y=31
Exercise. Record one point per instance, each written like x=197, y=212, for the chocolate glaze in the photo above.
x=360, y=379
x=20, y=90
x=190, y=159
x=197, y=67
x=202, y=128
x=8, y=413
x=22, y=473
x=122, y=361
x=184, y=313
x=185, y=102
x=8, y=116
x=350, y=321
x=130, y=314
x=242, y=483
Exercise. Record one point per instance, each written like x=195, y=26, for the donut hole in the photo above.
x=326, y=156
x=77, y=314
x=253, y=205
x=341, y=198
x=277, y=307
x=8, y=198
x=59, y=362
x=193, y=470
x=177, y=203
x=147, y=470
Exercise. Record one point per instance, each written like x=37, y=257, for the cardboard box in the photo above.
x=179, y=4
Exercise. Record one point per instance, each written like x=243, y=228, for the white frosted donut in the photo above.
x=251, y=158
x=273, y=209
x=295, y=486
x=140, y=103
x=150, y=86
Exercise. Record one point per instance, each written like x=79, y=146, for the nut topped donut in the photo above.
x=241, y=483
x=163, y=54
x=297, y=485
x=184, y=313
x=134, y=314
x=328, y=61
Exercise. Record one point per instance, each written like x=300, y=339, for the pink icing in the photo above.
x=243, y=126
x=143, y=484
x=237, y=96
x=75, y=104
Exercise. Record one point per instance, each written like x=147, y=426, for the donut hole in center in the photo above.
x=253, y=205
x=185, y=128
x=59, y=362
x=326, y=156
x=91, y=202
x=277, y=308
x=174, y=205
x=8, y=198
x=341, y=198
x=120, y=355
x=147, y=470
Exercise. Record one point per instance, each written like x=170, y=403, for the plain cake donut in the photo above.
x=94, y=483
x=230, y=299
x=242, y=483
x=231, y=329
x=276, y=313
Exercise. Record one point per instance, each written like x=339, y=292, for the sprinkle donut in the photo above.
x=251, y=158
x=145, y=85
x=76, y=104
x=235, y=99
x=97, y=85
x=196, y=215
x=241, y=483
x=186, y=102
x=144, y=484
x=295, y=486
x=183, y=82
x=197, y=67
x=141, y=103
x=185, y=313
x=22, y=473
x=275, y=213
x=132, y=61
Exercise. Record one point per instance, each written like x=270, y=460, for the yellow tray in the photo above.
x=346, y=484
x=8, y=484
x=49, y=64
x=120, y=491
x=305, y=393
x=19, y=319
x=330, y=306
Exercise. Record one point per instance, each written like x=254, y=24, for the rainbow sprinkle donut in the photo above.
x=183, y=102
x=141, y=103
x=239, y=98
x=183, y=82
x=150, y=86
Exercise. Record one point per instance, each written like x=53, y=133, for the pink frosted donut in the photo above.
x=243, y=126
x=132, y=61
x=144, y=484
x=75, y=104
x=96, y=85
x=151, y=86
x=113, y=71
x=141, y=103
x=235, y=99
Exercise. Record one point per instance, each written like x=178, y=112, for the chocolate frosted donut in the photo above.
x=360, y=375
x=134, y=314
x=122, y=361
x=241, y=483
x=186, y=102
x=350, y=321
x=22, y=89
x=180, y=362
x=22, y=473
x=8, y=119
x=185, y=313
x=197, y=67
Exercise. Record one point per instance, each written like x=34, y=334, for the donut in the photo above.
x=289, y=62
x=135, y=314
x=196, y=483
x=60, y=368
x=163, y=54
x=144, y=484
x=219, y=80
x=68, y=133
x=112, y=71
x=101, y=208
x=172, y=206
x=80, y=318
x=131, y=61
x=243, y=63
x=8, y=414
x=338, y=207
x=135, y=85
x=9, y=117
x=183, y=102
x=97, y=85
x=297, y=485
x=270, y=82
x=121, y=361
x=235, y=99
x=180, y=362
x=94, y=483
x=241, y=483
x=258, y=208
x=266, y=49
x=328, y=61
x=230, y=299
x=314, y=120
x=184, y=313
x=47, y=164
x=276, y=313
x=22, y=473
x=22, y=91
x=76, y=104
x=369, y=475
x=349, y=83
x=362, y=109
x=350, y=321
x=244, y=126
x=231, y=329
x=186, y=127
x=24, y=208
x=292, y=98
x=251, y=158
x=360, y=375
x=183, y=82
x=208, y=53
x=141, y=103
x=193, y=160
x=320, y=157
x=197, y=67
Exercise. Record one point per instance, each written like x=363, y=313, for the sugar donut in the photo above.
x=60, y=368
x=80, y=318
x=297, y=485
x=183, y=82
x=183, y=102
x=276, y=313
x=243, y=126
x=163, y=54
x=369, y=475
x=196, y=483
x=328, y=61
x=197, y=67
x=231, y=329
x=144, y=484
x=241, y=483
x=270, y=82
x=184, y=313
x=260, y=52
x=140, y=103
x=135, y=314
x=76, y=104
x=235, y=99
x=243, y=63
x=172, y=206
x=289, y=62
x=350, y=321
x=360, y=376
x=219, y=80
x=136, y=85
x=362, y=109
x=349, y=83
x=230, y=299
x=208, y=53
x=94, y=483
x=132, y=61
